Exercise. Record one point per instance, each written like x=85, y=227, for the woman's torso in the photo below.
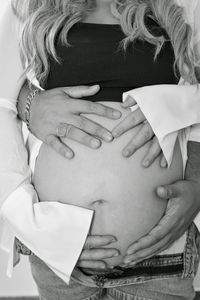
x=121, y=192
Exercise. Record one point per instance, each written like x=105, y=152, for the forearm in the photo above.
x=21, y=104
x=192, y=171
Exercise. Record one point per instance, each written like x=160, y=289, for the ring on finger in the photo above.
x=63, y=130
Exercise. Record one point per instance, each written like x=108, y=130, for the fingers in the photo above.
x=141, y=138
x=81, y=91
x=168, y=191
x=92, y=254
x=154, y=249
x=158, y=233
x=148, y=240
x=152, y=154
x=93, y=128
x=66, y=131
x=163, y=162
x=99, y=254
x=129, y=102
x=89, y=107
x=133, y=119
x=135, y=258
x=97, y=241
x=92, y=264
x=167, y=226
x=55, y=143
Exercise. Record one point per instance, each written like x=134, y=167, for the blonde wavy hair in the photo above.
x=41, y=20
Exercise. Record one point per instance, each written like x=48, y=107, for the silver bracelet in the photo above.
x=29, y=99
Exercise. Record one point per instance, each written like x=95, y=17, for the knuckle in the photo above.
x=93, y=107
x=82, y=123
x=86, y=139
x=150, y=238
x=147, y=132
x=61, y=130
x=62, y=150
x=121, y=129
x=50, y=140
x=107, y=111
x=69, y=130
x=155, y=141
x=133, y=118
x=98, y=131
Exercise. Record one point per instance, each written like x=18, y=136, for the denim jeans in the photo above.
x=162, y=277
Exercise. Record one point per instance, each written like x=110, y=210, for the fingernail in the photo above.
x=114, y=239
x=94, y=86
x=133, y=263
x=129, y=101
x=116, y=114
x=95, y=143
x=127, y=260
x=145, y=163
x=127, y=153
x=116, y=254
x=163, y=164
x=69, y=155
x=108, y=136
x=161, y=190
x=116, y=134
x=111, y=267
x=102, y=267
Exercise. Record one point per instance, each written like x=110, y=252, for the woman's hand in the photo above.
x=182, y=208
x=93, y=252
x=145, y=134
x=56, y=114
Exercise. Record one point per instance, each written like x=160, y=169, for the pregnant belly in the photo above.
x=119, y=190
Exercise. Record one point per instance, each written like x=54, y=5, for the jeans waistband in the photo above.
x=155, y=266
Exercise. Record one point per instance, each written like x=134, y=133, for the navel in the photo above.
x=99, y=202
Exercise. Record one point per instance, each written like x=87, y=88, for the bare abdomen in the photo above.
x=119, y=190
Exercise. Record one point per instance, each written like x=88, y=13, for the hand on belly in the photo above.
x=119, y=190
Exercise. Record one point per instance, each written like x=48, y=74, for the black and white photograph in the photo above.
x=99, y=149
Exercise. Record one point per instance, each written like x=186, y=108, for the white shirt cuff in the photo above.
x=37, y=224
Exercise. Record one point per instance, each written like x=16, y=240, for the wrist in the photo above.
x=30, y=98
x=21, y=102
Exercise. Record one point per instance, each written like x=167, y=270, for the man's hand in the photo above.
x=57, y=115
x=182, y=208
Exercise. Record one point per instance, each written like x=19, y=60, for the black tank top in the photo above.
x=95, y=57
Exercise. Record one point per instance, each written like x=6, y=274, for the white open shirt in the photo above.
x=56, y=232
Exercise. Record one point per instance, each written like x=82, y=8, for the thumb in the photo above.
x=168, y=191
x=81, y=90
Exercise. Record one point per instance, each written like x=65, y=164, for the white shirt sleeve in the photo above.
x=168, y=109
x=54, y=231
